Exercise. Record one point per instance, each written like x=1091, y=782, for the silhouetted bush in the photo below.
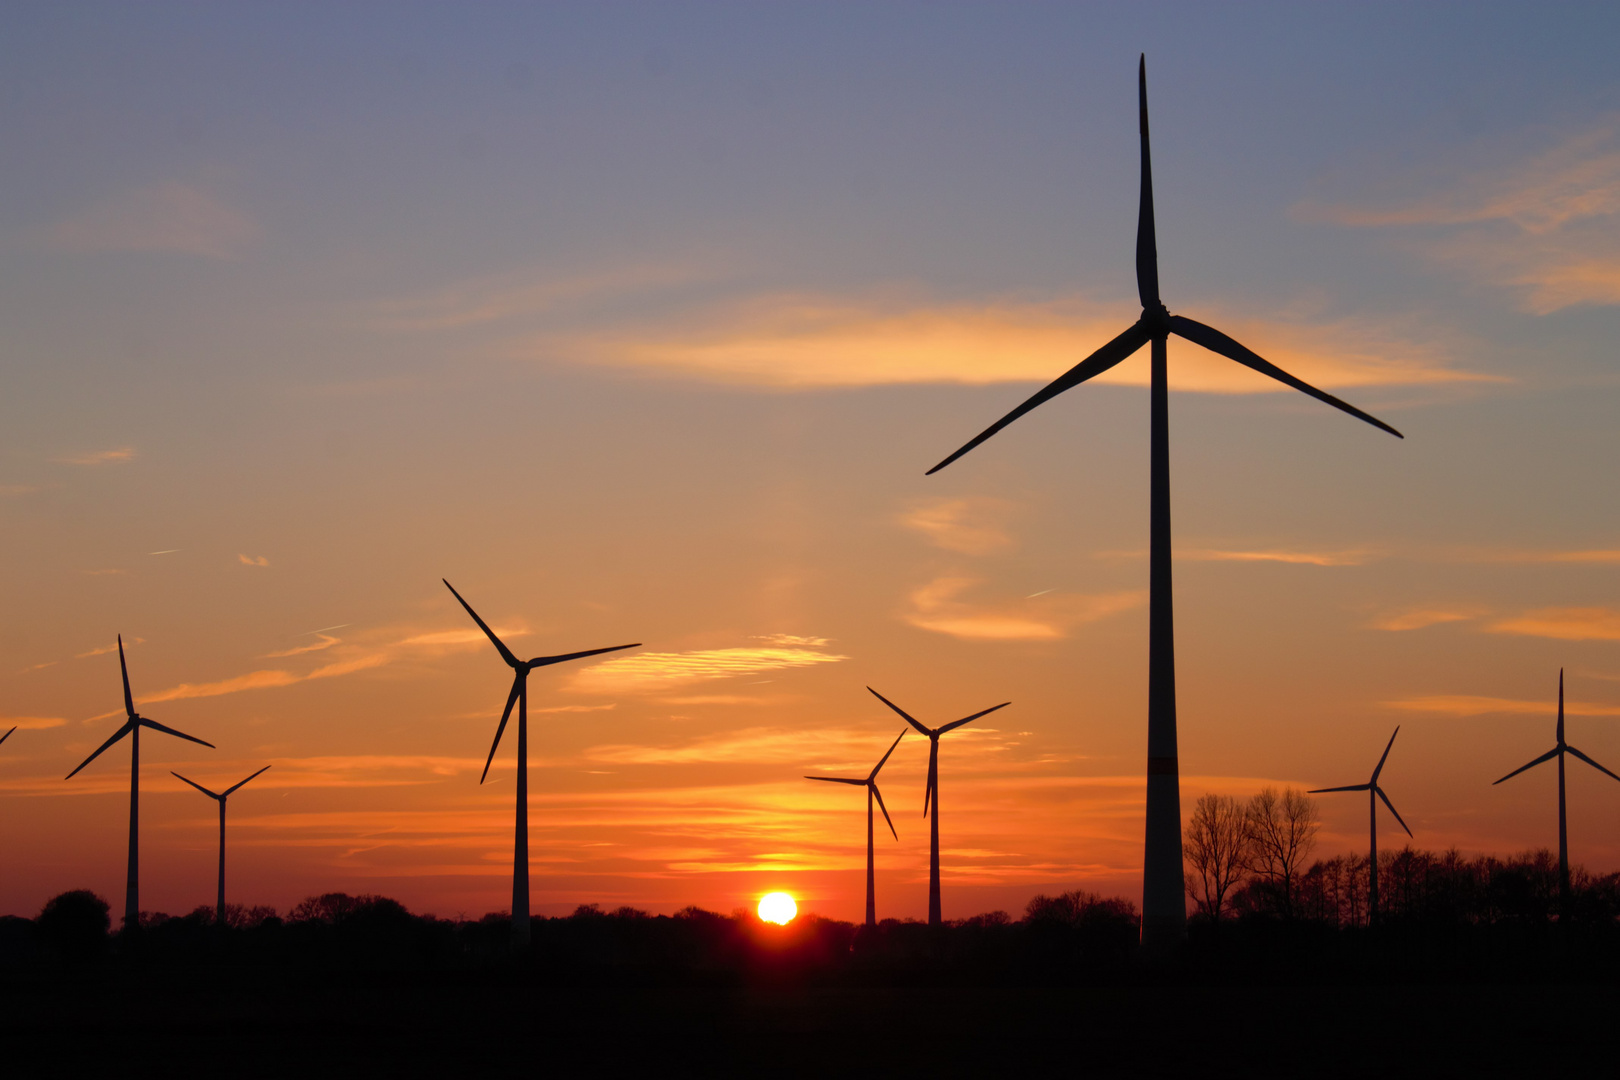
x=75, y=924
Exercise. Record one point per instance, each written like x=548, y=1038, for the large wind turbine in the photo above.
x=132, y=728
x=1164, y=911
x=520, y=696
x=1563, y=828
x=870, y=784
x=219, y=797
x=931, y=793
x=1374, y=793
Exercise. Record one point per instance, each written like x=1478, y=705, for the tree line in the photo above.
x=1251, y=859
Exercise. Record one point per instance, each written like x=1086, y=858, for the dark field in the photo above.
x=439, y=1026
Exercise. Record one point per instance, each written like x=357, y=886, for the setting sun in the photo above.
x=777, y=907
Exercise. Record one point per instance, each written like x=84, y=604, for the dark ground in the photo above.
x=437, y=1025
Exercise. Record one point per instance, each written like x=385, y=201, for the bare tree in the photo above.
x=1282, y=831
x=1216, y=850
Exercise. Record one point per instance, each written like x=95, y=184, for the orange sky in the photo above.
x=638, y=331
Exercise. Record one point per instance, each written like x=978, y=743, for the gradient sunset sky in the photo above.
x=642, y=322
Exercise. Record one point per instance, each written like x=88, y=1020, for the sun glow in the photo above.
x=778, y=908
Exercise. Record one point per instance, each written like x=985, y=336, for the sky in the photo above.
x=642, y=322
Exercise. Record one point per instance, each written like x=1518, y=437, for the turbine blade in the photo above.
x=873, y=775
x=7, y=735
x=1217, y=342
x=933, y=774
x=511, y=699
x=123, y=668
x=1134, y=337
x=1589, y=761
x=129, y=726
x=199, y=787
x=954, y=724
x=155, y=726
x=1386, y=755
x=1147, y=244
x=233, y=787
x=1327, y=790
x=885, y=810
x=1560, y=706
x=838, y=780
x=506, y=654
x=902, y=712
x=1397, y=813
x=1548, y=756
x=547, y=661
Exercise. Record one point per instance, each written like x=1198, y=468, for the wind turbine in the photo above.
x=1563, y=827
x=219, y=797
x=870, y=784
x=520, y=696
x=1164, y=911
x=132, y=728
x=1374, y=793
x=931, y=792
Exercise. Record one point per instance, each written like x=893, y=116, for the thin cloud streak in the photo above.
x=1301, y=558
x=100, y=457
x=936, y=607
x=1563, y=624
x=1423, y=617
x=1461, y=705
x=641, y=673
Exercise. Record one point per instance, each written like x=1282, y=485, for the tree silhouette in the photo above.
x=1217, y=850
x=1282, y=831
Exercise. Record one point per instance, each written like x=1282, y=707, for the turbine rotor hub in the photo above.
x=1157, y=319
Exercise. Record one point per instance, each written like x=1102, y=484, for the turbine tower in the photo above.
x=132, y=728
x=870, y=784
x=219, y=797
x=931, y=793
x=1374, y=793
x=520, y=697
x=1558, y=752
x=1164, y=911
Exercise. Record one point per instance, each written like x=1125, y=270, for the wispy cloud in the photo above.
x=815, y=341
x=326, y=642
x=524, y=294
x=168, y=217
x=103, y=650
x=467, y=636
x=100, y=457
x=19, y=489
x=28, y=723
x=818, y=748
x=1420, y=617
x=1563, y=624
x=1544, y=223
x=1471, y=705
x=574, y=708
x=253, y=560
x=1301, y=558
x=791, y=640
x=651, y=672
x=972, y=526
x=1047, y=617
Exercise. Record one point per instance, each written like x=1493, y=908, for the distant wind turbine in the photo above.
x=1164, y=911
x=1558, y=752
x=931, y=792
x=520, y=696
x=1374, y=793
x=870, y=784
x=132, y=728
x=219, y=797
